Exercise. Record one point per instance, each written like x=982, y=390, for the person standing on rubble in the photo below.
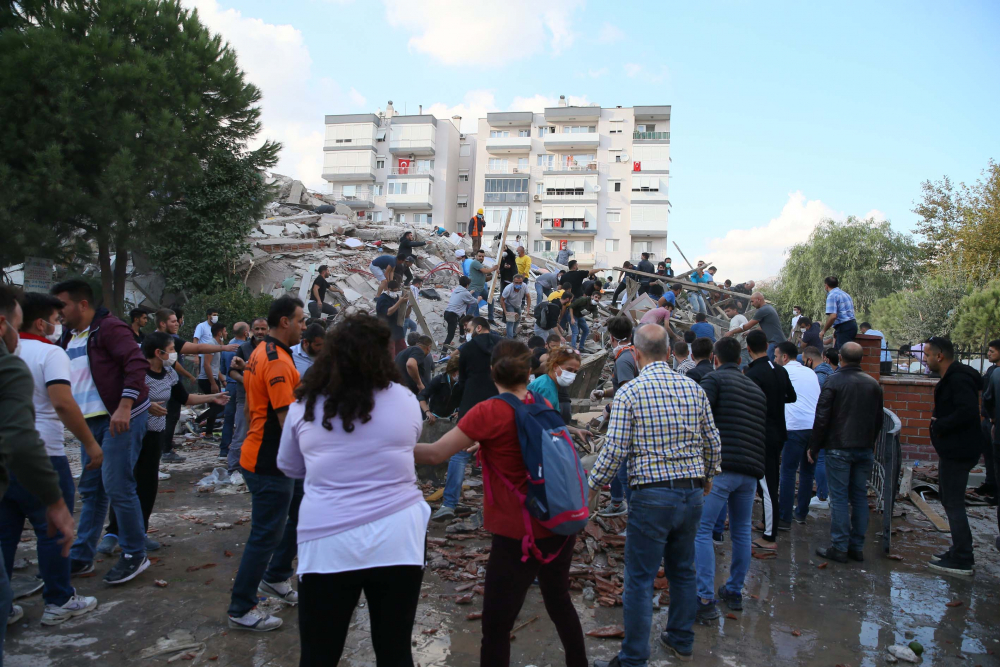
x=386, y=307
x=767, y=317
x=356, y=533
x=317, y=293
x=412, y=364
x=579, y=329
x=839, y=313
x=266, y=566
x=459, y=303
x=671, y=464
x=383, y=268
x=477, y=386
x=406, y=246
x=645, y=266
x=510, y=572
x=514, y=299
x=477, y=274
x=523, y=262
x=545, y=283
x=477, y=224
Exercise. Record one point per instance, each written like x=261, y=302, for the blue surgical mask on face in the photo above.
x=517, y=287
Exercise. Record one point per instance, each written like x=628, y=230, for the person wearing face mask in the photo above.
x=562, y=368
x=512, y=301
x=203, y=334
x=212, y=387
x=442, y=395
x=163, y=383
x=55, y=410
x=460, y=301
x=578, y=324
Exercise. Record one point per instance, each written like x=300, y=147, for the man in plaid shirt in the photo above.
x=662, y=422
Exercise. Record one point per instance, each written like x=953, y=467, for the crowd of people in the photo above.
x=752, y=412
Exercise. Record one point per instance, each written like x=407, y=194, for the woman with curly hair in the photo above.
x=362, y=522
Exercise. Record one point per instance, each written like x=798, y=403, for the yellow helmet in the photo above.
x=480, y=211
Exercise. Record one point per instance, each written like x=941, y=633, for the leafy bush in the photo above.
x=977, y=319
x=235, y=304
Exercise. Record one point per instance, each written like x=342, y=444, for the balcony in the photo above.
x=416, y=200
x=349, y=173
x=508, y=145
x=568, y=228
x=412, y=146
x=572, y=141
x=649, y=228
x=652, y=137
x=355, y=143
x=412, y=170
x=500, y=170
x=505, y=197
x=571, y=167
x=361, y=198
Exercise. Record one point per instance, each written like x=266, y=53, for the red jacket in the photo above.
x=116, y=362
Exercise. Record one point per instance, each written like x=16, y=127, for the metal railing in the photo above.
x=412, y=170
x=909, y=361
x=651, y=136
x=569, y=226
x=572, y=166
x=508, y=169
x=884, y=478
x=506, y=197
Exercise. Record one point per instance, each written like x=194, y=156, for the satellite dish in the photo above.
x=624, y=157
x=597, y=188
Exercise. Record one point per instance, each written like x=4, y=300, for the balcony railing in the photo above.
x=508, y=169
x=353, y=142
x=349, y=172
x=414, y=146
x=412, y=170
x=569, y=227
x=651, y=136
x=508, y=144
x=571, y=166
x=506, y=197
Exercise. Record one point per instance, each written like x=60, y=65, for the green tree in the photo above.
x=977, y=319
x=202, y=237
x=912, y=316
x=961, y=225
x=869, y=258
x=235, y=304
x=111, y=109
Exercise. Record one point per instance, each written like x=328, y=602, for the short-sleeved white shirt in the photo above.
x=49, y=364
x=203, y=334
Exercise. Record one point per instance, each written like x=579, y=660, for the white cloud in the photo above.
x=759, y=252
x=610, y=34
x=632, y=69
x=474, y=106
x=459, y=32
x=597, y=73
x=276, y=59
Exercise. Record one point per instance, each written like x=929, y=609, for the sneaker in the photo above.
x=948, y=565
x=172, y=457
x=683, y=656
x=78, y=605
x=818, y=504
x=108, y=545
x=223, y=457
x=255, y=621
x=16, y=614
x=444, y=513
x=856, y=555
x=79, y=568
x=784, y=525
x=237, y=478
x=707, y=611
x=614, y=509
x=151, y=544
x=717, y=538
x=281, y=590
x=801, y=520
x=613, y=662
x=163, y=476
x=127, y=568
x=832, y=554
x=733, y=600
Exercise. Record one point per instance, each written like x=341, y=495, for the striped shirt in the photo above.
x=663, y=423
x=840, y=302
x=685, y=366
x=84, y=389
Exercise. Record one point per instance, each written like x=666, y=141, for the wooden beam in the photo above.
x=686, y=284
x=503, y=245
x=420, y=319
x=939, y=523
x=683, y=255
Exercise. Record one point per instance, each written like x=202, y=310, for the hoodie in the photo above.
x=474, y=371
x=22, y=452
x=406, y=247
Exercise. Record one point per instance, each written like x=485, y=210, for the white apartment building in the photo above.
x=413, y=170
x=590, y=179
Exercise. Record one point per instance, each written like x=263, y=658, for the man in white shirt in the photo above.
x=55, y=409
x=736, y=321
x=796, y=314
x=885, y=357
x=203, y=334
x=799, y=417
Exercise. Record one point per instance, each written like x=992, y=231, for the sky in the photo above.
x=783, y=114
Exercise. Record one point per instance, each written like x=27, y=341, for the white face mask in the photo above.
x=565, y=378
x=214, y=319
x=394, y=295
x=171, y=359
x=56, y=334
x=531, y=378
x=468, y=336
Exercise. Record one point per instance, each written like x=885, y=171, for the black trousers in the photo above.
x=327, y=601
x=988, y=457
x=452, y=320
x=768, y=488
x=400, y=266
x=953, y=478
x=315, y=309
x=147, y=478
x=844, y=333
x=173, y=416
x=214, y=409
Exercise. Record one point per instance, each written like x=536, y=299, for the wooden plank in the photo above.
x=683, y=255
x=414, y=303
x=686, y=284
x=503, y=245
x=906, y=485
x=935, y=518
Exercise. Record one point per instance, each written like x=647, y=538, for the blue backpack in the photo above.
x=557, y=487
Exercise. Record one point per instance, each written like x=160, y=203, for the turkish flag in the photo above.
x=404, y=166
x=636, y=166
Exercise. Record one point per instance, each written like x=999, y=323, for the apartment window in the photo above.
x=425, y=166
x=497, y=164
x=546, y=160
x=645, y=128
x=499, y=134
x=422, y=218
x=542, y=246
x=380, y=164
x=522, y=164
x=524, y=133
x=463, y=204
x=546, y=129
x=378, y=189
x=617, y=155
x=588, y=246
x=461, y=227
x=380, y=134
x=613, y=216
x=639, y=247
x=611, y=245
x=510, y=190
x=400, y=217
x=564, y=192
x=539, y=188
x=618, y=186
x=397, y=188
x=616, y=125
x=578, y=129
x=463, y=178
x=465, y=150
x=538, y=219
x=645, y=184
x=350, y=191
x=376, y=216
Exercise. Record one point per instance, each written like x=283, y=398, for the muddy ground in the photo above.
x=795, y=611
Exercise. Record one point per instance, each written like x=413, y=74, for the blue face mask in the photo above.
x=517, y=287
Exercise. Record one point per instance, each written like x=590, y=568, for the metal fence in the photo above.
x=884, y=480
x=909, y=360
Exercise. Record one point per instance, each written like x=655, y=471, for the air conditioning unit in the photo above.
x=537, y=198
x=461, y=136
x=597, y=188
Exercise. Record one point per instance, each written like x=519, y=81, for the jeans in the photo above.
x=456, y=475
x=541, y=293
x=771, y=347
x=512, y=322
x=697, y=302
x=793, y=458
x=662, y=525
x=953, y=477
x=735, y=491
x=543, y=333
x=720, y=523
x=847, y=471
x=580, y=332
x=620, y=490
x=845, y=332
x=273, y=541
x=213, y=408
x=147, y=479
x=113, y=484
x=474, y=310
x=19, y=504
x=228, y=421
x=409, y=325
x=822, y=488
x=239, y=435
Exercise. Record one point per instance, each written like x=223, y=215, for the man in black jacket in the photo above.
x=477, y=385
x=701, y=354
x=955, y=434
x=848, y=420
x=777, y=387
x=739, y=408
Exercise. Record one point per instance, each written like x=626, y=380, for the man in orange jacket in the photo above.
x=477, y=224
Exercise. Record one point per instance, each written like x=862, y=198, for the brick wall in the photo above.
x=910, y=397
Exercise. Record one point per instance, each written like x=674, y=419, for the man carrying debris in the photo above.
x=477, y=274
x=545, y=283
x=406, y=246
x=317, y=306
x=382, y=267
x=477, y=224
x=767, y=317
x=512, y=302
x=386, y=307
x=460, y=303
x=671, y=463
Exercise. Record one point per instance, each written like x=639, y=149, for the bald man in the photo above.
x=767, y=318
